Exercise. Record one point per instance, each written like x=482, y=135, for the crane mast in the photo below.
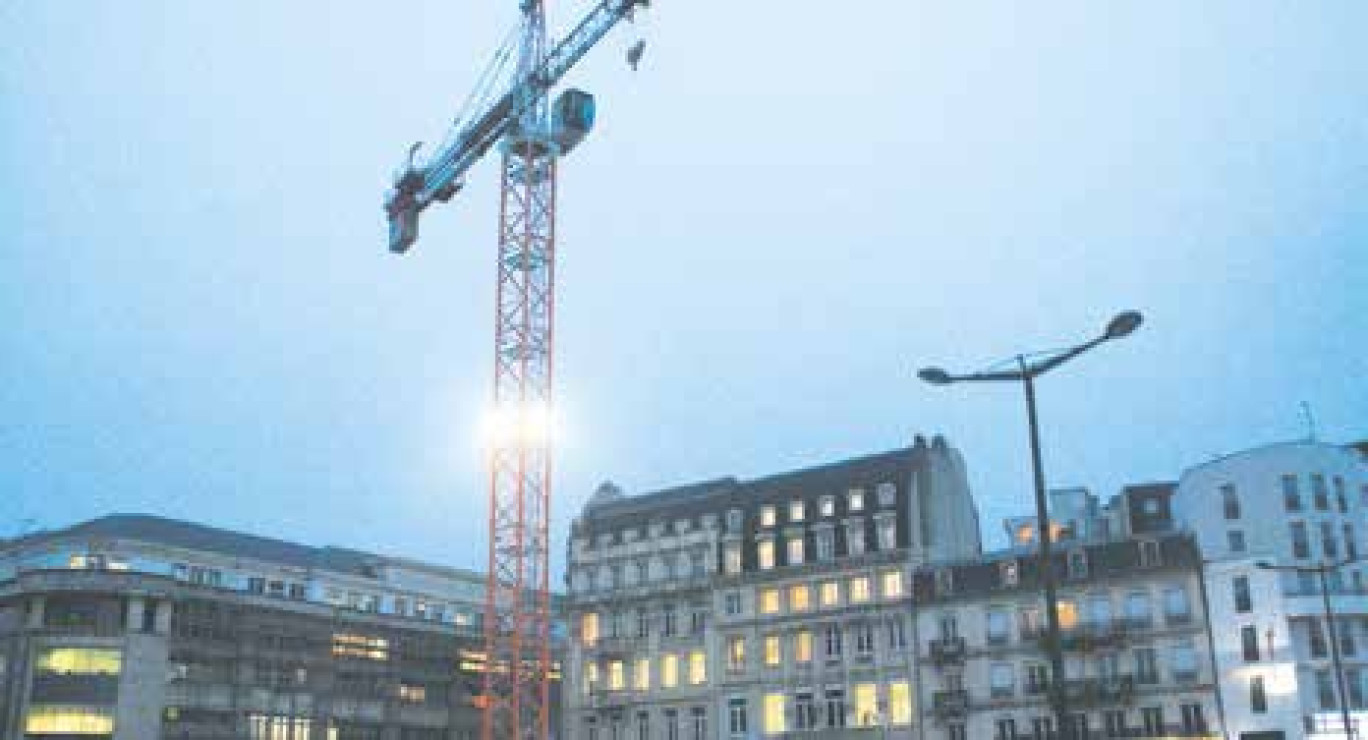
x=531, y=136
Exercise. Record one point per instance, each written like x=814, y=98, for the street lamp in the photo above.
x=1321, y=570
x=1028, y=368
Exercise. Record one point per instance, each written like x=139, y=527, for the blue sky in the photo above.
x=784, y=213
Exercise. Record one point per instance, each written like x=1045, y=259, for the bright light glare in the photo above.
x=533, y=423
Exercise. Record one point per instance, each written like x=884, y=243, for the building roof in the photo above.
x=191, y=536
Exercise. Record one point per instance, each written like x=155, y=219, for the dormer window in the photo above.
x=945, y=582
x=1078, y=564
x=734, y=520
x=796, y=511
x=682, y=526
x=855, y=500
x=767, y=516
x=887, y=493
x=826, y=506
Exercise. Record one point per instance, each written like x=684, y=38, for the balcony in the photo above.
x=947, y=651
x=1095, y=692
x=950, y=704
x=1094, y=636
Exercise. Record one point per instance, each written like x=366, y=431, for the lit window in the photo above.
x=69, y=720
x=733, y=558
x=767, y=517
x=77, y=661
x=831, y=593
x=1068, y=614
x=772, y=652
x=589, y=629
x=360, y=646
x=827, y=506
x=617, y=679
x=769, y=601
x=795, y=550
x=669, y=671
x=764, y=553
x=642, y=674
x=591, y=677
x=799, y=599
x=866, y=705
x=736, y=654
x=796, y=511
x=412, y=694
x=892, y=584
x=802, y=646
x=698, y=668
x=859, y=589
x=774, y=714
x=900, y=703
x=855, y=500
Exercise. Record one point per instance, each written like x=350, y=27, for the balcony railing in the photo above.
x=1092, y=692
x=949, y=704
x=947, y=651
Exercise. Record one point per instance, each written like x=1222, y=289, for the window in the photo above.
x=1235, y=540
x=1078, y=564
x=767, y=516
x=826, y=543
x=1291, y=496
x=835, y=708
x=1037, y=678
x=800, y=597
x=698, y=668
x=956, y=731
x=855, y=500
x=1042, y=728
x=897, y=637
x=1149, y=554
x=1000, y=679
x=833, y=641
x=667, y=619
x=831, y=593
x=774, y=714
x=731, y=558
x=949, y=627
x=1230, y=501
x=699, y=718
x=736, y=713
x=1243, y=602
x=1249, y=642
x=804, y=712
x=1318, y=492
x=1153, y=720
x=773, y=653
x=643, y=726
x=1099, y=612
x=764, y=554
x=1183, y=661
x=887, y=533
x=591, y=677
x=669, y=671
x=1138, y=609
x=736, y=654
x=1345, y=630
x=617, y=679
x=855, y=537
x=769, y=601
x=68, y=720
x=900, y=703
x=643, y=623
x=1301, y=544
x=802, y=646
x=1009, y=573
x=796, y=511
x=1193, y=718
x=891, y=584
x=1176, y=608
x=734, y=520
x=1005, y=729
x=864, y=639
x=1114, y=720
x=1325, y=690
x=827, y=506
x=1350, y=546
x=866, y=704
x=697, y=564
x=945, y=582
x=795, y=550
x=1328, y=542
x=1316, y=638
x=641, y=675
x=859, y=589
x=256, y=585
x=997, y=627
x=1146, y=667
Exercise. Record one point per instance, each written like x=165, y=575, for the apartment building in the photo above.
x=134, y=627
x=778, y=606
x=1137, y=659
x=1299, y=505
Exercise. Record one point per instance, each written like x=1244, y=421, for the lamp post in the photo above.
x=1028, y=368
x=1321, y=570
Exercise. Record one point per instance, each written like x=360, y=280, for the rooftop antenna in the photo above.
x=1310, y=419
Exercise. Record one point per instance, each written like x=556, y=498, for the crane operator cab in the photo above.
x=572, y=117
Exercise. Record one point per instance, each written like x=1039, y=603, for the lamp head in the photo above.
x=934, y=376
x=1123, y=324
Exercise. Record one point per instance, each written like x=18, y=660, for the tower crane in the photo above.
x=531, y=134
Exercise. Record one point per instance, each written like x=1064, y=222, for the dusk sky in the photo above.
x=784, y=213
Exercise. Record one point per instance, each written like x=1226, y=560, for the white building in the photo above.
x=773, y=607
x=1302, y=504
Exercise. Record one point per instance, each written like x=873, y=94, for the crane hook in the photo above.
x=634, y=53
